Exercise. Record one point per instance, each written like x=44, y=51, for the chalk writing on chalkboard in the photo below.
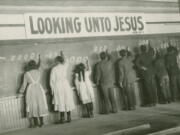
x=12, y=57
x=74, y=59
x=143, y=42
x=98, y=49
x=26, y=57
x=120, y=47
x=50, y=55
x=2, y=58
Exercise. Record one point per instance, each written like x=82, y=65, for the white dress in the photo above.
x=61, y=90
x=36, y=103
x=85, y=88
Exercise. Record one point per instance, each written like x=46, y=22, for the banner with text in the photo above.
x=67, y=25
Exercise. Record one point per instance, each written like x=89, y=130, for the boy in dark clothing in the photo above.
x=146, y=70
x=173, y=71
x=105, y=79
x=162, y=78
x=127, y=80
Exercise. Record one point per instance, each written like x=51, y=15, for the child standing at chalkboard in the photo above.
x=84, y=87
x=62, y=92
x=35, y=98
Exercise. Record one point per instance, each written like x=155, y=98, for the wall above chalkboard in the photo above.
x=19, y=26
x=76, y=40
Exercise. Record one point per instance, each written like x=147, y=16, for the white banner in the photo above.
x=67, y=25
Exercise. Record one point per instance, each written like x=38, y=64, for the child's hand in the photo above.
x=107, y=52
x=121, y=85
x=61, y=53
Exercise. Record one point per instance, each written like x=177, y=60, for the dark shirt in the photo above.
x=145, y=60
x=160, y=67
x=126, y=71
x=105, y=74
x=171, y=64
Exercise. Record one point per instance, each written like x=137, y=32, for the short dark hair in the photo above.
x=32, y=65
x=171, y=49
x=129, y=53
x=82, y=66
x=59, y=59
x=143, y=48
x=103, y=55
x=122, y=52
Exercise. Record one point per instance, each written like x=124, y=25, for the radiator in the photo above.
x=12, y=114
x=12, y=110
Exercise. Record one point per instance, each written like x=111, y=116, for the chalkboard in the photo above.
x=15, y=54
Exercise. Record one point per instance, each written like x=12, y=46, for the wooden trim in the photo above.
x=127, y=9
x=164, y=22
x=175, y=1
x=12, y=25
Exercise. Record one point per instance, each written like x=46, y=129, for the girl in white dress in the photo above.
x=84, y=87
x=35, y=98
x=61, y=90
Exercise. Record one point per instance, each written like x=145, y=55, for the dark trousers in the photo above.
x=149, y=90
x=164, y=88
x=108, y=99
x=128, y=96
x=174, y=86
x=62, y=118
x=89, y=109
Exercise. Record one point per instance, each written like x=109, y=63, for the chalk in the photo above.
x=32, y=55
x=35, y=44
x=123, y=47
x=19, y=57
x=130, y=130
x=2, y=58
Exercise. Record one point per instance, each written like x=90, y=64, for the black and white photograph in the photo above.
x=89, y=67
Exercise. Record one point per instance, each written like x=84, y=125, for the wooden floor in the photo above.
x=160, y=118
